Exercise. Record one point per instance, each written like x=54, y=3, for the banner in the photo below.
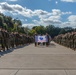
x=40, y=39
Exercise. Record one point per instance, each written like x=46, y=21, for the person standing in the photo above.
x=6, y=39
x=35, y=39
x=1, y=39
x=47, y=37
x=12, y=39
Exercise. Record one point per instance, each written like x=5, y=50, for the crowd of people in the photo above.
x=13, y=39
x=68, y=40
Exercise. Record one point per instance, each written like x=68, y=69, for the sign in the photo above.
x=40, y=39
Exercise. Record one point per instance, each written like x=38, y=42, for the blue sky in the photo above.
x=59, y=13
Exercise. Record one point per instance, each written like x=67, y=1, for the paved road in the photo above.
x=41, y=60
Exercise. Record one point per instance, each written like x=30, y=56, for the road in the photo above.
x=40, y=60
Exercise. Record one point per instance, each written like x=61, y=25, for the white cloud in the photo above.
x=21, y=10
x=68, y=24
x=68, y=0
x=71, y=22
x=72, y=18
x=54, y=18
x=66, y=13
x=1, y=11
x=29, y=25
x=45, y=18
x=40, y=12
x=59, y=12
x=56, y=12
x=16, y=8
x=28, y=12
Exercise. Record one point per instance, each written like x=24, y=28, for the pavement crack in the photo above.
x=37, y=68
x=66, y=72
x=16, y=72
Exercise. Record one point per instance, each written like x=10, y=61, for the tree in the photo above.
x=1, y=20
x=62, y=31
x=5, y=25
x=18, y=22
x=40, y=29
x=26, y=29
x=32, y=32
x=66, y=30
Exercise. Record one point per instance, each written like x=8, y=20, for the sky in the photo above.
x=60, y=13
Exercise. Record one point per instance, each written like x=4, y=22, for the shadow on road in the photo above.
x=2, y=53
x=51, y=45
